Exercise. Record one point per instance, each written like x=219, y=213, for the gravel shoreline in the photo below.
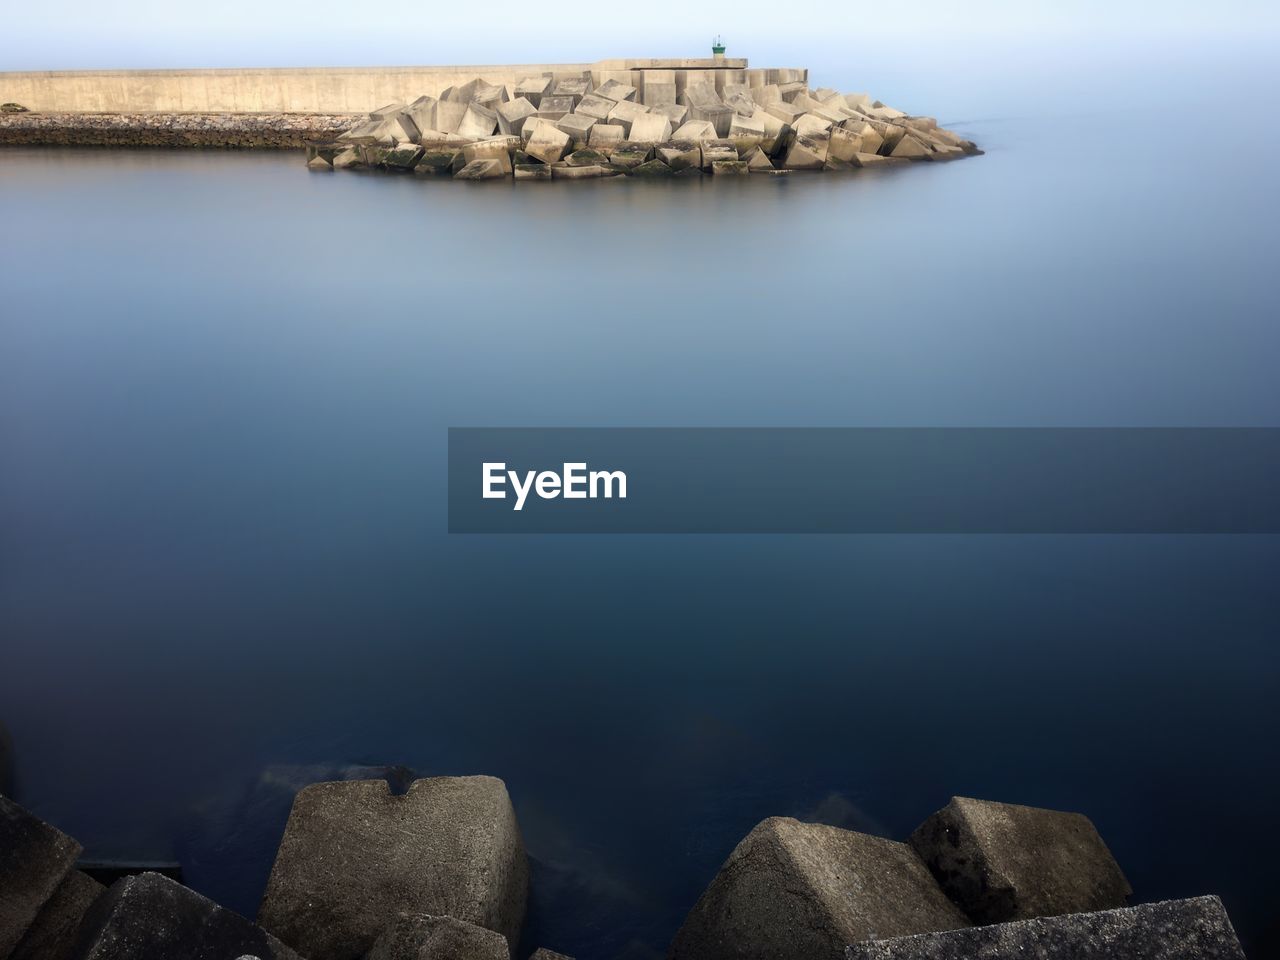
x=269, y=131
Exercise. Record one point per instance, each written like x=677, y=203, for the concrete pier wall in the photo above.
x=321, y=90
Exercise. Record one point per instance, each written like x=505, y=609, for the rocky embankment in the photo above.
x=544, y=129
x=231, y=130
x=439, y=872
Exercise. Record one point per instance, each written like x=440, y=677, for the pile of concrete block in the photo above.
x=976, y=881
x=549, y=128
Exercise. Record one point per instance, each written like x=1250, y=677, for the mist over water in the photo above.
x=224, y=390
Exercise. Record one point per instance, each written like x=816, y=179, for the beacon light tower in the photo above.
x=717, y=48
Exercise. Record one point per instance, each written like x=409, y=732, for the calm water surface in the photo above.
x=224, y=390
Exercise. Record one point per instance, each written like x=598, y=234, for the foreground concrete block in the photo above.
x=495, y=148
x=350, y=157
x=911, y=148
x=758, y=162
x=652, y=169
x=150, y=916
x=319, y=163
x=775, y=131
x=437, y=162
x=766, y=94
x=534, y=89
x=354, y=856
x=532, y=171
x=596, y=107
x=784, y=112
x=658, y=86
x=35, y=859
x=705, y=104
x=871, y=140
x=650, y=128
x=578, y=127
x=605, y=137
x=806, y=153
x=718, y=150
x=695, y=130
x=420, y=937
x=404, y=157
x=388, y=111
x=675, y=113
x=747, y=133
x=799, y=891
x=811, y=125
x=549, y=143
x=52, y=936
x=449, y=115
x=679, y=154
x=1001, y=861
x=513, y=114
x=1195, y=929
x=571, y=171
x=481, y=170
x=575, y=87
x=844, y=144
x=479, y=121
x=423, y=113
x=626, y=113
x=628, y=155
x=729, y=167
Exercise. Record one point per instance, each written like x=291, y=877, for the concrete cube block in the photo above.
x=450, y=846
x=658, y=86
x=423, y=113
x=811, y=125
x=766, y=94
x=413, y=936
x=513, y=114
x=627, y=155
x=533, y=171
x=319, y=163
x=625, y=113
x=449, y=114
x=675, y=113
x=705, y=104
x=388, y=111
x=534, y=89
x=806, y=153
x=615, y=91
x=650, y=128
x=853, y=100
x=605, y=137
x=784, y=111
x=758, y=162
x=577, y=126
x=717, y=150
x=437, y=162
x=575, y=87
x=555, y=107
x=568, y=171
x=490, y=95
x=595, y=106
x=478, y=121
x=1196, y=929
x=679, y=154
x=494, y=148
x=871, y=140
x=695, y=130
x=796, y=891
x=910, y=147
x=1002, y=861
x=651, y=169
x=36, y=859
x=52, y=935
x=729, y=167
x=549, y=143
x=149, y=915
x=747, y=133
x=844, y=144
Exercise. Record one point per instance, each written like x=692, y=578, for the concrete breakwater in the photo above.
x=438, y=871
x=711, y=121
x=243, y=130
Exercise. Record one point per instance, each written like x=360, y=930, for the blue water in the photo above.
x=224, y=390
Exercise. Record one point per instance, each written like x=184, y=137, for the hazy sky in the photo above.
x=69, y=34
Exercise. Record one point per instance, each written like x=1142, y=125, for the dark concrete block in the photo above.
x=421, y=937
x=53, y=934
x=35, y=859
x=802, y=891
x=1195, y=929
x=354, y=857
x=150, y=916
x=1001, y=861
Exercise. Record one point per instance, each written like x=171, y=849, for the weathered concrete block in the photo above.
x=479, y=121
x=567, y=171
x=549, y=143
x=811, y=125
x=388, y=111
x=423, y=113
x=784, y=111
x=437, y=162
x=494, y=148
x=729, y=167
x=513, y=114
x=488, y=169
x=52, y=935
x=450, y=846
x=910, y=147
x=658, y=86
x=705, y=104
x=449, y=115
x=624, y=114
x=854, y=100
x=596, y=107
x=578, y=127
x=35, y=859
x=874, y=160
x=403, y=157
x=534, y=89
x=747, y=133
x=1001, y=861
x=651, y=168
x=844, y=144
x=806, y=153
x=149, y=915
x=586, y=158
x=615, y=91
x=319, y=163
x=575, y=87
x=775, y=131
x=1196, y=929
x=491, y=95
x=831, y=112
x=679, y=154
x=533, y=171
x=605, y=137
x=420, y=937
x=350, y=157
x=675, y=113
x=798, y=891
x=627, y=155
x=766, y=94
x=695, y=130
x=757, y=161
x=871, y=140
x=650, y=128
x=555, y=107
x=714, y=150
